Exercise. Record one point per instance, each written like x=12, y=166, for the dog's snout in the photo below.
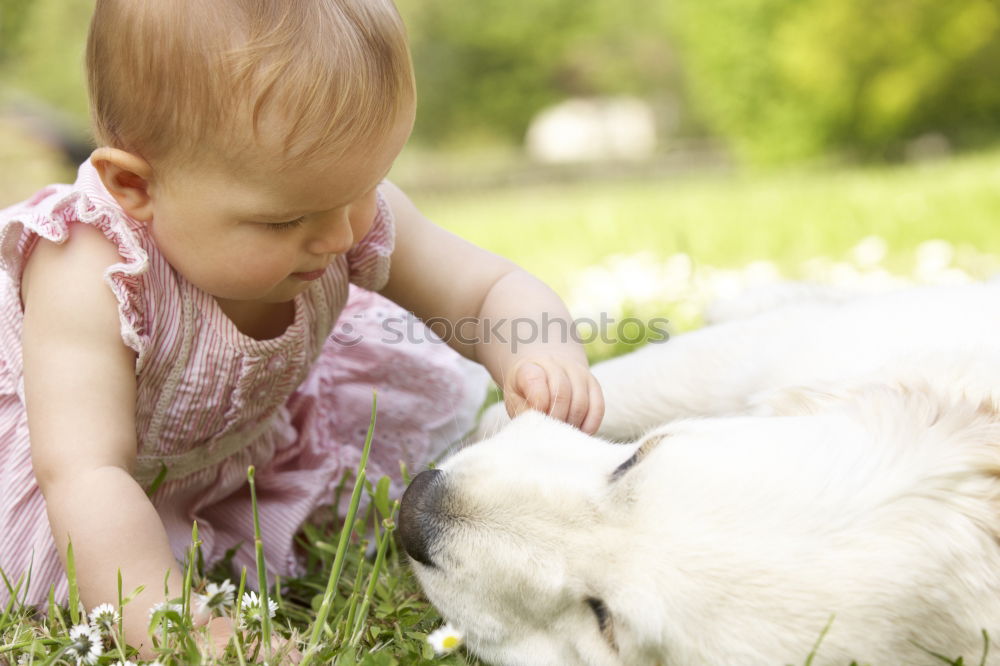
x=417, y=522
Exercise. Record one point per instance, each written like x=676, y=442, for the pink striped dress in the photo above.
x=212, y=401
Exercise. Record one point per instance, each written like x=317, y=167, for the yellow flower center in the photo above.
x=450, y=642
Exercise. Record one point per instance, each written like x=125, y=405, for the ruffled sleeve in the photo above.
x=48, y=215
x=368, y=261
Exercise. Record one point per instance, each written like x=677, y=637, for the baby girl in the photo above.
x=175, y=311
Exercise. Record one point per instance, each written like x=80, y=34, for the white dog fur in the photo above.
x=822, y=465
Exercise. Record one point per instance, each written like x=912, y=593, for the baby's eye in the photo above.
x=282, y=226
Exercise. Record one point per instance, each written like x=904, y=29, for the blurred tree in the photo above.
x=45, y=55
x=485, y=68
x=792, y=78
x=13, y=16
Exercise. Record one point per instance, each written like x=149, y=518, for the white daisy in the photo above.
x=164, y=607
x=86, y=647
x=445, y=639
x=250, y=610
x=104, y=617
x=126, y=663
x=216, y=597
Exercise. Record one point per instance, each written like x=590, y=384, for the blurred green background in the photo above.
x=788, y=132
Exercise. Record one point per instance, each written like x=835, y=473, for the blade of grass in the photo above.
x=345, y=532
x=352, y=605
x=12, y=591
x=359, y=624
x=189, y=571
x=121, y=608
x=238, y=633
x=277, y=592
x=23, y=582
x=74, y=591
x=258, y=543
x=161, y=476
x=819, y=641
x=55, y=617
x=117, y=630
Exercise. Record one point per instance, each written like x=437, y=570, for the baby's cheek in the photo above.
x=268, y=266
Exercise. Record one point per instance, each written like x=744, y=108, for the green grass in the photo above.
x=785, y=217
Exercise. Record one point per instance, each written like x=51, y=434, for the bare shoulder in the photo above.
x=72, y=266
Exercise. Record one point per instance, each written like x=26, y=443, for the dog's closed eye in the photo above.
x=644, y=448
x=604, y=622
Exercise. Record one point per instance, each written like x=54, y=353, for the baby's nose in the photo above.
x=418, y=520
x=331, y=235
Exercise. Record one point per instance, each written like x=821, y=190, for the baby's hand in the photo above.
x=220, y=631
x=560, y=386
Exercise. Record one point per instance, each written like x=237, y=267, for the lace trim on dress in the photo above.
x=177, y=466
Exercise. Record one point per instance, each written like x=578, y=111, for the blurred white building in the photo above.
x=595, y=129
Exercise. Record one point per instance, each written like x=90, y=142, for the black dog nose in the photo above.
x=418, y=522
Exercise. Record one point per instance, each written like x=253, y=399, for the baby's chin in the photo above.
x=283, y=292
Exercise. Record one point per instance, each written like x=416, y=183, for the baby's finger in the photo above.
x=560, y=397
x=531, y=386
x=514, y=403
x=595, y=407
x=580, y=400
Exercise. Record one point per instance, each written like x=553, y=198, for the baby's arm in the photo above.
x=498, y=313
x=79, y=381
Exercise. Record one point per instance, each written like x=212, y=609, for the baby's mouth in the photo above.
x=310, y=275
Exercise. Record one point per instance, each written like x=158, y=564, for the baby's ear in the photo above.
x=126, y=176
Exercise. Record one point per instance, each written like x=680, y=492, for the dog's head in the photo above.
x=727, y=540
x=513, y=537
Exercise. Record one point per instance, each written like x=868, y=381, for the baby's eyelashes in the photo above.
x=282, y=226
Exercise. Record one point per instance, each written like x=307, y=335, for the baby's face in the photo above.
x=254, y=233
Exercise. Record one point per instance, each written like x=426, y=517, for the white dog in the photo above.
x=822, y=473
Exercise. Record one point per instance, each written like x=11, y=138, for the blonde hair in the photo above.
x=168, y=77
